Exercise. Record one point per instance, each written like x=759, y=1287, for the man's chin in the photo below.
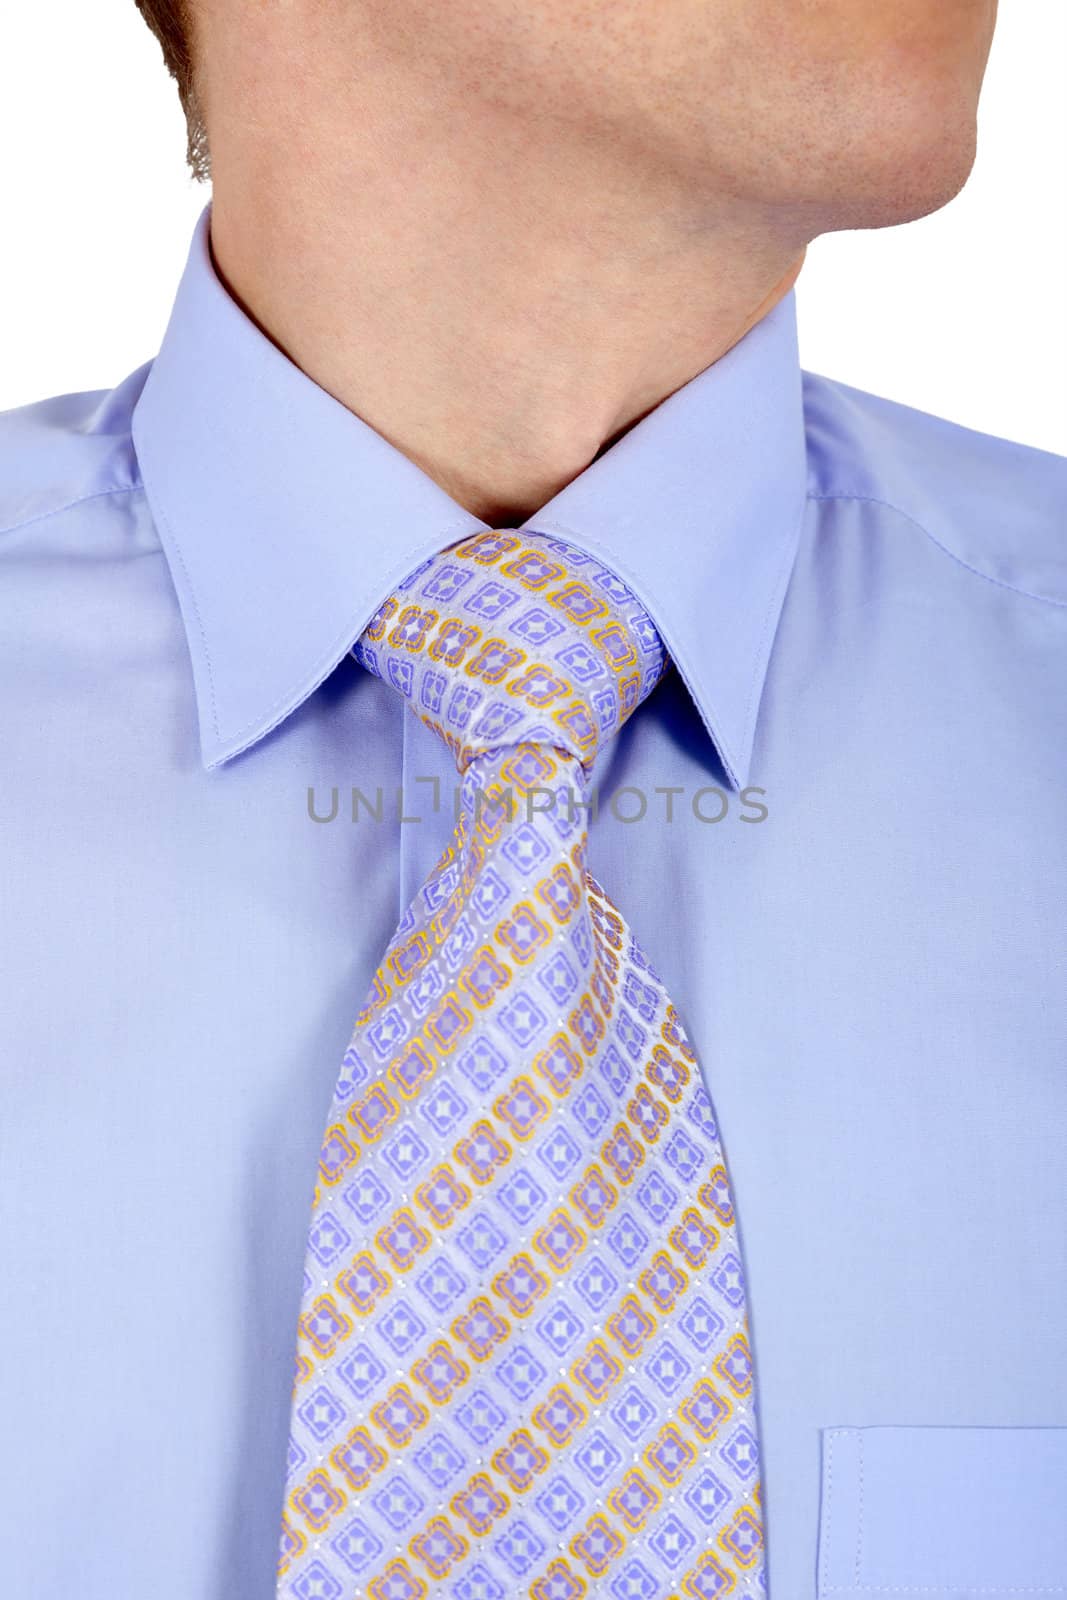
x=921, y=186
x=906, y=175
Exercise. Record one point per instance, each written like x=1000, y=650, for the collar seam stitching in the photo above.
x=790, y=548
x=160, y=512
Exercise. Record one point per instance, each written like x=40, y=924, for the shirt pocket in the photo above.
x=943, y=1513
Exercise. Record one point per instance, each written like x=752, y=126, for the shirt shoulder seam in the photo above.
x=987, y=577
x=69, y=505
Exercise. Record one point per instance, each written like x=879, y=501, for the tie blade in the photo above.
x=522, y=1360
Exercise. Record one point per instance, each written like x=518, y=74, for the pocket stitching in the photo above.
x=881, y=1588
x=859, y=1508
x=831, y=1436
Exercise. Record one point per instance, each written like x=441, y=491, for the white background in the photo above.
x=964, y=313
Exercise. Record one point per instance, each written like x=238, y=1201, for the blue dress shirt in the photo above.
x=867, y=610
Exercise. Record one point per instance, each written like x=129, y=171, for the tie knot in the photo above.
x=515, y=637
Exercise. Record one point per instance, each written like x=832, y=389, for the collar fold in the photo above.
x=286, y=520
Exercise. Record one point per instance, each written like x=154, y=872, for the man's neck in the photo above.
x=499, y=314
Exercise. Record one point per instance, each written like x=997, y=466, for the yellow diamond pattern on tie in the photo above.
x=522, y=1361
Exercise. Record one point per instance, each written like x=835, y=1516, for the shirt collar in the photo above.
x=286, y=520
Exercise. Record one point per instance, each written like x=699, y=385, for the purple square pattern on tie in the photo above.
x=522, y=1354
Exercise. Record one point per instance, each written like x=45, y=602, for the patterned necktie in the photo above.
x=522, y=1364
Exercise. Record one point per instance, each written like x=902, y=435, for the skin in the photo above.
x=503, y=232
